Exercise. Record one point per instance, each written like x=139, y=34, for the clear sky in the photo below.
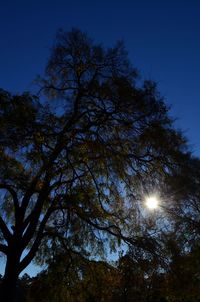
x=161, y=36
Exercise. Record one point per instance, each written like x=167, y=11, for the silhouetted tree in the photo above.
x=135, y=277
x=72, y=162
x=82, y=281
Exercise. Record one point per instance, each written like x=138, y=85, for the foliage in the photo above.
x=129, y=279
x=75, y=162
x=79, y=281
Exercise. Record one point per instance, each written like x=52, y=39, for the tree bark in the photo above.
x=9, y=283
x=9, y=289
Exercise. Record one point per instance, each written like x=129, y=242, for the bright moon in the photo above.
x=152, y=202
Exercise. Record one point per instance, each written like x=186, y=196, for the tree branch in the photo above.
x=6, y=233
x=3, y=248
x=14, y=197
x=31, y=254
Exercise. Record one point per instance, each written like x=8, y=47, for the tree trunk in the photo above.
x=9, y=289
x=9, y=283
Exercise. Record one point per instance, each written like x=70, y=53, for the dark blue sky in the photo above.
x=162, y=38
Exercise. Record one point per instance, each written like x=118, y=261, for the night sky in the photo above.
x=162, y=39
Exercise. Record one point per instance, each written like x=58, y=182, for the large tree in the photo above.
x=75, y=160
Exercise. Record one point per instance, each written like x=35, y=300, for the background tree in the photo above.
x=82, y=281
x=185, y=210
x=73, y=162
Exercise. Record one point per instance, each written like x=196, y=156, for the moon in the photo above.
x=152, y=202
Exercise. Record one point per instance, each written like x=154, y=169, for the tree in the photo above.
x=84, y=281
x=185, y=211
x=73, y=161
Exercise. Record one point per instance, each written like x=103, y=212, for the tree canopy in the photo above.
x=77, y=159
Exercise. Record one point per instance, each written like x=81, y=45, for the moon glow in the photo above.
x=152, y=202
